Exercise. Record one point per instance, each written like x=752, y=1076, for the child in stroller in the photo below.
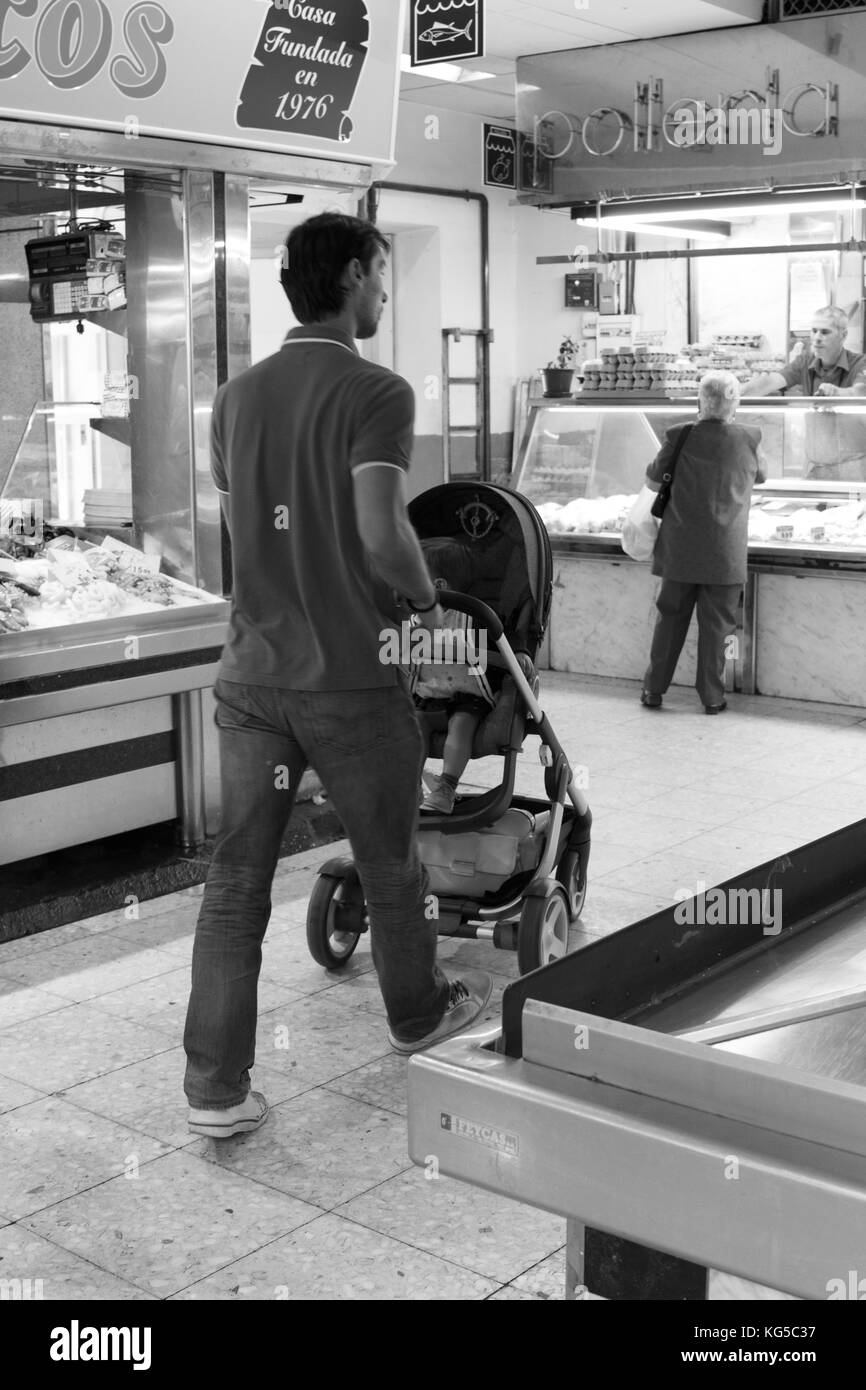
x=463, y=690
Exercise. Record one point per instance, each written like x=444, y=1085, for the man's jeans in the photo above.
x=367, y=748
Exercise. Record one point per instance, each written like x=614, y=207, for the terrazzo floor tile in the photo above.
x=92, y=966
x=544, y=1283
x=161, y=1002
x=170, y=931
x=607, y=908
x=26, y=946
x=182, y=1220
x=382, y=1083
x=56, y=1274
x=795, y=819
x=50, y=1150
x=605, y=856
x=748, y=847
x=15, y=1093
x=335, y=1260
x=120, y=918
x=148, y=1096
x=18, y=1002
x=486, y=1233
x=704, y=808
x=319, y=1147
x=312, y=1040
x=60, y=1049
x=662, y=875
x=644, y=833
x=286, y=961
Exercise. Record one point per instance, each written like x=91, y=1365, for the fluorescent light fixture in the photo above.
x=643, y=228
x=443, y=72
x=713, y=207
x=760, y=209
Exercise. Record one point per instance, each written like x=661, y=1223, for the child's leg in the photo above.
x=458, y=744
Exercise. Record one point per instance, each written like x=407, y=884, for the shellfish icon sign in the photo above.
x=446, y=31
x=305, y=69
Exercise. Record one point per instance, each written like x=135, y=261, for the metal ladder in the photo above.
x=480, y=430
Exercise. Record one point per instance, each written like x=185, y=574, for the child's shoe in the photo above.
x=440, y=798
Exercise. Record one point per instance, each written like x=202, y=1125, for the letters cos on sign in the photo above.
x=74, y=39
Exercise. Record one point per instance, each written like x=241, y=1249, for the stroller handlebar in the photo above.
x=463, y=603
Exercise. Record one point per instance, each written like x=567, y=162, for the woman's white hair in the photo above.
x=719, y=395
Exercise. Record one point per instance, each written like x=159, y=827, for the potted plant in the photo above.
x=558, y=375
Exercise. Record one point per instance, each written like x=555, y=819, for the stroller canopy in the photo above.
x=510, y=548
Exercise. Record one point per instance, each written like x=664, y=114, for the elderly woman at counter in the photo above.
x=701, y=551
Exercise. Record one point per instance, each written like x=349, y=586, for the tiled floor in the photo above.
x=105, y=1194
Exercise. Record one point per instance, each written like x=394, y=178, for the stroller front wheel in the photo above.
x=542, y=934
x=335, y=917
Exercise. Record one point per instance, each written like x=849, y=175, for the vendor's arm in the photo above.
x=767, y=384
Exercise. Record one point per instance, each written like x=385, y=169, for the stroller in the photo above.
x=503, y=868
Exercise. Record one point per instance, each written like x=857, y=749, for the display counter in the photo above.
x=582, y=462
x=692, y=1100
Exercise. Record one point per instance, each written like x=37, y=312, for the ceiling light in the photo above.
x=443, y=72
x=712, y=207
x=643, y=228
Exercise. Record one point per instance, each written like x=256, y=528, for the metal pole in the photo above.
x=603, y=257
x=190, y=768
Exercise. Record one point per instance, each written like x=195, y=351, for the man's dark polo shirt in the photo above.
x=307, y=608
x=809, y=373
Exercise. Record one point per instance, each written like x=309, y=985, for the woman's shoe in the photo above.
x=650, y=701
x=716, y=709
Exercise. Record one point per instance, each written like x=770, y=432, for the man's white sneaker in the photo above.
x=238, y=1119
x=470, y=995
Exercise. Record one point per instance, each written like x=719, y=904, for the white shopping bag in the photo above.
x=640, y=528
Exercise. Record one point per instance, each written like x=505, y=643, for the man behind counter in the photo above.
x=830, y=371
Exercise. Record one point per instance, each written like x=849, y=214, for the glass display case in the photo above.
x=583, y=463
x=72, y=552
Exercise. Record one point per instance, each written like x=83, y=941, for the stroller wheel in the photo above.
x=336, y=917
x=542, y=934
x=571, y=873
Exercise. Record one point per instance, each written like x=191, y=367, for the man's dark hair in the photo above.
x=316, y=254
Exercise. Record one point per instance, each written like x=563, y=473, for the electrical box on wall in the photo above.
x=581, y=290
x=607, y=297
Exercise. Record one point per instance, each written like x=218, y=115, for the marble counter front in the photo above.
x=805, y=635
x=602, y=618
x=810, y=637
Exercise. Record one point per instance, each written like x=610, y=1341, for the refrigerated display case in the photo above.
x=582, y=464
x=104, y=647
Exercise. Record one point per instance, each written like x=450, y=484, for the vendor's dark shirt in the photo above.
x=704, y=535
x=808, y=373
x=307, y=608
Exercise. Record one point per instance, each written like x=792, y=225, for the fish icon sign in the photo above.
x=445, y=33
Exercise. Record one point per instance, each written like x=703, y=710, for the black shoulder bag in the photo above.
x=663, y=496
